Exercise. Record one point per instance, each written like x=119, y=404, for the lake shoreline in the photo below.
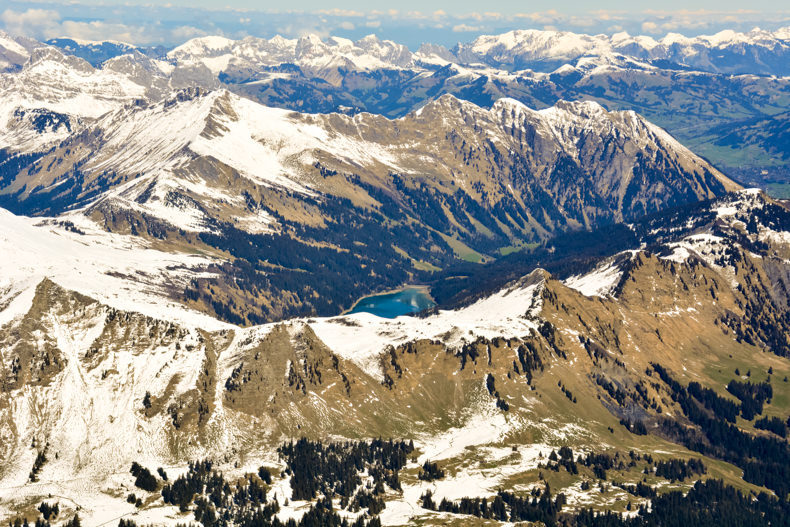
x=424, y=289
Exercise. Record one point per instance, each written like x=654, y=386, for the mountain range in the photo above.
x=487, y=389
x=284, y=192
x=696, y=88
x=185, y=231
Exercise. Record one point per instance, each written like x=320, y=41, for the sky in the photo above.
x=410, y=22
x=460, y=6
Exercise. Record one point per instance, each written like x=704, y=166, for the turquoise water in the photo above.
x=391, y=305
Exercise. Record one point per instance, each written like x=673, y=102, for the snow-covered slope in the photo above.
x=12, y=53
x=713, y=233
x=129, y=150
x=123, y=271
x=509, y=313
x=69, y=85
x=15, y=51
x=52, y=82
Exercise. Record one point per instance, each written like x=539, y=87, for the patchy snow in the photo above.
x=726, y=210
x=258, y=141
x=679, y=254
x=259, y=222
x=744, y=200
x=478, y=439
x=478, y=430
x=90, y=412
x=599, y=282
x=472, y=479
x=281, y=492
x=164, y=201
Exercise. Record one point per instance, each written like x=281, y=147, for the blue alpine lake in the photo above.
x=391, y=305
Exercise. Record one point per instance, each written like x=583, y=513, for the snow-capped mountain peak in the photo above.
x=547, y=50
x=53, y=55
x=14, y=51
x=9, y=44
x=309, y=52
x=202, y=46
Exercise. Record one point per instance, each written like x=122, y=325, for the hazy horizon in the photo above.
x=169, y=24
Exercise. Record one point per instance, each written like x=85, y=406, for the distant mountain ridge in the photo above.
x=757, y=51
x=697, y=88
x=99, y=52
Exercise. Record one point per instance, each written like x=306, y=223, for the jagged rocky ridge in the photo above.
x=99, y=387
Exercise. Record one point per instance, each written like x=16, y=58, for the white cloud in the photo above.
x=341, y=12
x=133, y=24
x=464, y=28
x=183, y=33
x=99, y=30
x=37, y=23
x=650, y=28
x=29, y=17
x=45, y=24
